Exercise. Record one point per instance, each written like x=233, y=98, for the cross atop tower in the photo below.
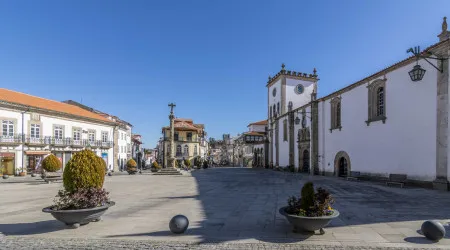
x=172, y=105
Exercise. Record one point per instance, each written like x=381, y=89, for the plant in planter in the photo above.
x=205, y=164
x=187, y=163
x=312, y=211
x=155, y=167
x=50, y=164
x=83, y=199
x=131, y=166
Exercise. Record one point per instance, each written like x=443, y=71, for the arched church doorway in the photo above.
x=343, y=167
x=305, y=168
x=342, y=164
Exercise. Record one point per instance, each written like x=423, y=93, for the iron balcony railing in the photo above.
x=182, y=139
x=11, y=139
x=55, y=141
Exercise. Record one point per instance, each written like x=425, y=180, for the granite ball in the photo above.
x=109, y=174
x=178, y=224
x=433, y=230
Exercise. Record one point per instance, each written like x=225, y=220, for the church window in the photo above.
x=285, y=130
x=270, y=113
x=278, y=107
x=335, y=113
x=377, y=101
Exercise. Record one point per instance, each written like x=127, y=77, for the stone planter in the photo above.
x=308, y=224
x=75, y=218
x=154, y=170
x=132, y=171
x=22, y=174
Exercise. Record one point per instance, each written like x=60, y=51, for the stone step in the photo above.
x=159, y=173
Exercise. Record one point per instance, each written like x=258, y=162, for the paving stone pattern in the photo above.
x=228, y=208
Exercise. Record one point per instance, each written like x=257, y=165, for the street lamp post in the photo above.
x=23, y=136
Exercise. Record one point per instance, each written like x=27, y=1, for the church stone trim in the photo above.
x=373, y=100
x=338, y=156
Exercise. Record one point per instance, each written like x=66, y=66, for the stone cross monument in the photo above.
x=171, y=162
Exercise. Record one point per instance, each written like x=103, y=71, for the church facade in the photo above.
x=383, y=124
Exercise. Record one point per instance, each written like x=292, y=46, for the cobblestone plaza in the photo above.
x=228, y=208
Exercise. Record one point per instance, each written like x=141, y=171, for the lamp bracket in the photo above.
x=426, y=55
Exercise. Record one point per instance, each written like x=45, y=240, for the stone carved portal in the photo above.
x=342, y=164
x=304, y=145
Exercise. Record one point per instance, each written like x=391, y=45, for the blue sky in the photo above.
x=212, y=58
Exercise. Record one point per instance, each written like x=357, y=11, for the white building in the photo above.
x=33, y=127
x=383, y=124
x=250, y=145
x=122, y=136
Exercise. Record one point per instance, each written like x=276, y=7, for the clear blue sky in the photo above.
x=212, y=58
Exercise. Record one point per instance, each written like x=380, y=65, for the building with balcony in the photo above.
x=121, y=136
x=250, y=145
x=190, y=140
x=33, y=127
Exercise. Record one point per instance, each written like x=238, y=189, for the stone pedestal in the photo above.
x=441, y=184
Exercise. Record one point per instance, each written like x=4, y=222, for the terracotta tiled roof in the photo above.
x=263, y=122
x=42, y=103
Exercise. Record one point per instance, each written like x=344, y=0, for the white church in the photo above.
x=392, y=122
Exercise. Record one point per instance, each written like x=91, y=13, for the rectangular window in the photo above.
x=91, y=136
x=35, y=131
x=77, y=134
x=8, y=128
x=58, y=132
x=285, y=130
x=104, y=136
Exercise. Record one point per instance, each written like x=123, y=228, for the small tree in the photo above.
x=187, y=162
x=131, y=165
x=155, y=165
x=51, y=163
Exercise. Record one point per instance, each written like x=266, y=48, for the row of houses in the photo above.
x=34, y=127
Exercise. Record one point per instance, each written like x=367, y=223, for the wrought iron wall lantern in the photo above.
x=417, y=73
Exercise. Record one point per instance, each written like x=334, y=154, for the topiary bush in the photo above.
x=51, y=163
x=155, y=165
x=307, y=200
x=84, y=170
x=187, y=163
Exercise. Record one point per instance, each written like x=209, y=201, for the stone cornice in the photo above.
x=292, y=75
x=20, y=107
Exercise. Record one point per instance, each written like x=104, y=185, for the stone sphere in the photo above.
x=109, y=174
x=178, y=224
x=433, y=230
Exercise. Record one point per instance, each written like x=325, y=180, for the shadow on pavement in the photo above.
x=39, y=227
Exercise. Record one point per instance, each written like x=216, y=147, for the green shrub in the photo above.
x=307, y=200
x=187, y=163
x=155, y=165
x=84, y=170
x=51, y=163
x=131, y=164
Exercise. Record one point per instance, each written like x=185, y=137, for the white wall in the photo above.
x=257, y=128
x=298, y=100
x=277, y=99
x=405, y=144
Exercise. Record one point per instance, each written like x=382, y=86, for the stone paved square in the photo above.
x=227, y=206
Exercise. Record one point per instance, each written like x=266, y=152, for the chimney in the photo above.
x=444, y=34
